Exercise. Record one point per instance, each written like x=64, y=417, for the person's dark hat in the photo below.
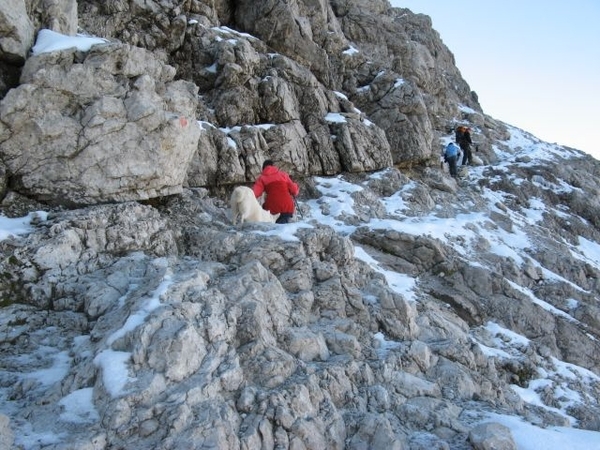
x=268, y=162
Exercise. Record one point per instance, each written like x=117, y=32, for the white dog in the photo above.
x=246, y=208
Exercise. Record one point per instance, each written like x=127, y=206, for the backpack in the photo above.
x=451, y=150
x=460, y=133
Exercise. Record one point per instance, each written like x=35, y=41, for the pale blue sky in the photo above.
x=534, y=64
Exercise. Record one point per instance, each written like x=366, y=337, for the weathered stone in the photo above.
x=59, y=16
x=307, y=345
x=176, y=349
x=375, y=431
x=16, y=31
x=411, y=386
x=488, y=436
x=64, y=110
x=6, y=433
x=428, y=413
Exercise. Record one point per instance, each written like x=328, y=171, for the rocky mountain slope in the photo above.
x=402, y=310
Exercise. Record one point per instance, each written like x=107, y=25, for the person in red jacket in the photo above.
x=280, y=190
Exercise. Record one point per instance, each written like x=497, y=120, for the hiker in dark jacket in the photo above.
x=458, y=134
x=465, y=143
x=280, y=190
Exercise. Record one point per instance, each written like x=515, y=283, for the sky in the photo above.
x=78, y=407
x=534, y=64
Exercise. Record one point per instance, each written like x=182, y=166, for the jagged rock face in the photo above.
x=403, y=77
x=109, y=125
x=257, y=310
x=269, y=107
x=241, y=339
x=319, y=106
x=169, y=328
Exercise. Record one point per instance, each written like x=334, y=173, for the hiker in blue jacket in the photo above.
x=451, y=155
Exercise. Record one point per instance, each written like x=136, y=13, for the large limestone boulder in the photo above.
x=487, y=436
x=102, y=126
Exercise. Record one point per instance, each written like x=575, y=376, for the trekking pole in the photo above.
x=298, y=208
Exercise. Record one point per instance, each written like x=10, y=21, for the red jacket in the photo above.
x=280, y=190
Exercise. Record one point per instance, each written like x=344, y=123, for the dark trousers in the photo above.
x=467, y=155
x=285, y=218
x=451, y=160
